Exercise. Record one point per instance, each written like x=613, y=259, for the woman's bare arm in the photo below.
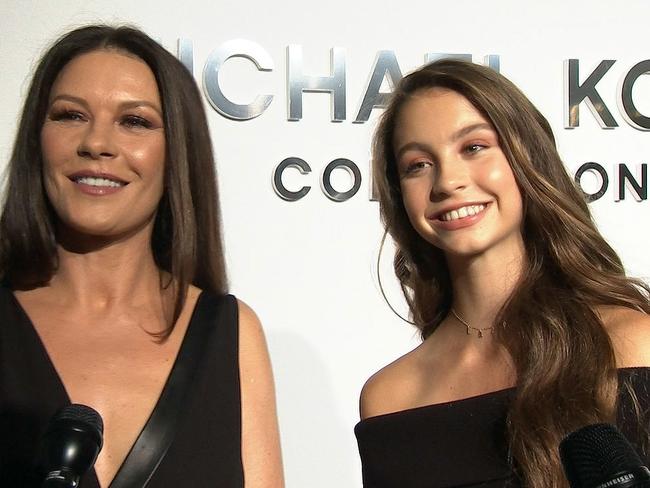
x=261, y=454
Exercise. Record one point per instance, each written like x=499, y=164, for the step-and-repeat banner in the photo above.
x=293, y=91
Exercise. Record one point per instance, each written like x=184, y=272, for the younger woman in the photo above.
x=530, y=327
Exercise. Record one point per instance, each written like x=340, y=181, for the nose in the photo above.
x=450, y=175
x=97, y=141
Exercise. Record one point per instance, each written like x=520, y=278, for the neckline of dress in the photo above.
x=60, y=386
x=490, y=395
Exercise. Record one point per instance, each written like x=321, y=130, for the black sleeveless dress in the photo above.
x=463, y=443
x=206, y=449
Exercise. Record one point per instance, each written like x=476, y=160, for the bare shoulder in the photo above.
x=254, y=361
x=392, y=388
x=260, y=438
x=629, y=331
x=251, y=334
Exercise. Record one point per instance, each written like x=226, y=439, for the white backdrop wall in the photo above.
x=308, y=267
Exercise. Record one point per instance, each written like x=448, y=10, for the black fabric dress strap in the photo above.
x=158, y=433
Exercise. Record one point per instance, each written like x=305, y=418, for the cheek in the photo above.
x=159, y=168
x=498, y=176
x=519, y=207
x=413, y=212
x=415, y=201
x=53, y=157
x=503, y=182
x=149, y=160
x=51, y=147
x=409, y=200
x=157, y=174
x=416, y=194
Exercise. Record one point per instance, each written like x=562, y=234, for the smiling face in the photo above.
x=457, y=186
x=103, y=144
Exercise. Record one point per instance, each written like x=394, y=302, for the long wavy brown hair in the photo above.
x=564, y=360
x=186, y=240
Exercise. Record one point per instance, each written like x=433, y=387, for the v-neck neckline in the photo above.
x=60, y=385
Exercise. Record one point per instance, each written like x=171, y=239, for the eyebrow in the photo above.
x=125, y=104
x=470, y=128
x=413, y=146
x=454, y=137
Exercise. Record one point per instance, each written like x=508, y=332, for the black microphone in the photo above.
x=599, y=456
x=70, y=446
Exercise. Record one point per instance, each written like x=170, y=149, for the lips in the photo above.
x=97, y=180
x=459, y=212
x=462, y=212
x=459, y=216
x=97, y=184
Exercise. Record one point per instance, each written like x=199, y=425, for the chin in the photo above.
x=91, y=226
x=98, y=230
x=465, y=247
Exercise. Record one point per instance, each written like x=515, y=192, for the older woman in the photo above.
x=529, y=324
x=114, y=284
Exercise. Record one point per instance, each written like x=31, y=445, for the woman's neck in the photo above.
x=108, y=274
x=482, y=284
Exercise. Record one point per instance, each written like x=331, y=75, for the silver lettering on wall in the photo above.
x=185, y=54
x=638, y=185
x=326, y=179
x=624, y=181
x=575, y=93
x=625, y=102
x=431, y=57
x=236, y=48
x=596, y=169
x=353, y=171
x=491, y=60
x=281, y=190
x=385, y=67
x=298, y=82
x=373, y=190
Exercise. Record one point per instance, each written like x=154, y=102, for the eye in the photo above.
x=136, y=122
x=415, y=167
x=473, y=148
x=66, y=115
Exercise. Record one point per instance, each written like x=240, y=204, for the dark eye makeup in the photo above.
x=136, y=121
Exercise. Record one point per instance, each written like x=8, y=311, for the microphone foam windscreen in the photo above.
x=595, y=454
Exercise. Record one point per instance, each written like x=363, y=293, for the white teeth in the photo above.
x=87, y=180
x=462, y=212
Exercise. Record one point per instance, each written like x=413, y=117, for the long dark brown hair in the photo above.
x=186, y=240
x=564, y=360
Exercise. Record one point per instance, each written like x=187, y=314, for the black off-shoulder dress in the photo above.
x=462, y=443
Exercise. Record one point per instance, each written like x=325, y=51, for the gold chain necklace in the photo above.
x=479, y=332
